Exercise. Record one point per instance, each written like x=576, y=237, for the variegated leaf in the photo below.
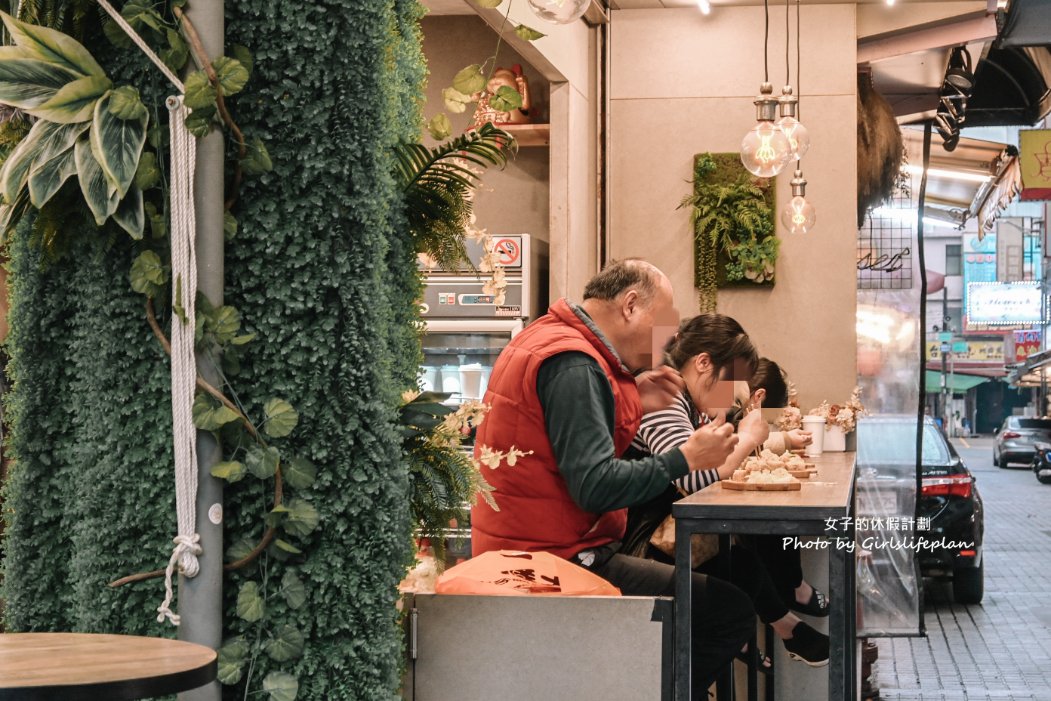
x=16, y=168
x=26, y=82
x=130, y=214
x=74, y=102
x=51, y=45
x=46, y=178
x=117, y=144
x=101, y=197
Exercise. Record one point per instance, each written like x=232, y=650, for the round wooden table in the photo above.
x=92, y=667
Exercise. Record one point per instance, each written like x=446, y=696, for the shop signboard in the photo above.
x=1035, y=158
x=1003, y=305
x=987, y=351
x=979, y=261
x=1022, y=344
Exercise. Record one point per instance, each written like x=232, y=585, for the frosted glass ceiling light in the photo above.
x=704, y=6
x=798, y=136
x=559, y=11
x=765, y=150
x=798, y=216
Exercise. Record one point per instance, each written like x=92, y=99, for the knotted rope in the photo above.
x=183, y=158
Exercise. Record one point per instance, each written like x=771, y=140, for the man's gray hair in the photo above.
x=619, y=276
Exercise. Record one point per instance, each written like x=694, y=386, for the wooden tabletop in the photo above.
x=75, y=666
x=824, y=495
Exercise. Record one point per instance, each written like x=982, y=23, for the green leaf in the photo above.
x=281, y=686
x=302, y=518
x=528, y=33
x=287, y=547
x=52, y=46
x=488, y=4
x=455, y=101
x=239, y=550
x=242, y=339
x=299, y=473
x=257, y=159
x=293, y=590
x=125, y=103
x=148, y=173
x=148, y=275
x=250, y=605
x=231, y=471
x=117, y=36
x=470, y=80
x=286, y=644
x=281, y=418
x=116, y=144
x=223, y=323
x=232, y=656
x=229, y=226
x=27, y=83
x=175, y=56
x=232, y=75
x=74, y=102
x=47, y=177
x=15, y=171
x=243, y=55
x=209, y=414
x=262, y=462
x=101, y=196
x=200, y=92
x=506, y=99
x=200, y=121
x=440, y=127
x=129, y=215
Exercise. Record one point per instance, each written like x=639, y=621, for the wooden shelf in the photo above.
x=529, y=134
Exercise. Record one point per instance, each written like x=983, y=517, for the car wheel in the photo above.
x=996, y=460
x=968, y=584
x=1044, y=480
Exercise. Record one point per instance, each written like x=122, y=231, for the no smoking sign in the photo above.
x=508, y=251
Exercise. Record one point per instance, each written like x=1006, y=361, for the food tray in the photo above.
x=761, y=486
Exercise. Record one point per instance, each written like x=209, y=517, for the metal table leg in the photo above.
x=683, y=609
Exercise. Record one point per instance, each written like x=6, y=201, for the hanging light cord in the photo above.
x=799, y=71
x=788, y=35
x=766, y=41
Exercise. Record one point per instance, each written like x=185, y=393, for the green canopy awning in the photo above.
x=958, y=382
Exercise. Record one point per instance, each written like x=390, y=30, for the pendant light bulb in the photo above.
x=798, y=135
x=559, y=11
x=798, y=216
x=765, y=150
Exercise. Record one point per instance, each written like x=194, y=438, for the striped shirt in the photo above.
x=667, y=429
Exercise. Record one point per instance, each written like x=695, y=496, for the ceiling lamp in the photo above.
x=952, y=99
x=704, y=6
x=559, y=11
x=765, y=150
x=798, y=216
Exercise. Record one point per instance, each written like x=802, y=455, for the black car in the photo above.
x=1016, y=439
x=949, y=498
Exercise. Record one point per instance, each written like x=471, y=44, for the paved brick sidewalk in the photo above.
x=1002, y=648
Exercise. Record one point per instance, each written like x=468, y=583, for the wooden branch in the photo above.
x=202, y=57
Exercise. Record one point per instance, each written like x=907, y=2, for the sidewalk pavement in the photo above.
x=998, y=650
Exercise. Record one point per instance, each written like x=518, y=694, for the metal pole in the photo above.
x=945, y=359
x=200, y=597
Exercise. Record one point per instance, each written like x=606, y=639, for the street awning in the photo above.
x=1024, y=373
x=958, y=382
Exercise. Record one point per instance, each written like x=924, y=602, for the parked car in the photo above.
x=948, y=497
x=1016, y=439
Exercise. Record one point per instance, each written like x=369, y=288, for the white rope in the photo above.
x=142, y=45
x=184, y=365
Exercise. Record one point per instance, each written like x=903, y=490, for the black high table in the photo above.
x=824, y=506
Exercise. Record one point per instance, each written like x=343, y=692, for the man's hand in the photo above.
x=709, y=446
x=658, y=388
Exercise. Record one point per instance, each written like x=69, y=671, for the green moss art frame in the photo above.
x=732, y=214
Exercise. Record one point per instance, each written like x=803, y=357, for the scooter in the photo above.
x=1042, y=462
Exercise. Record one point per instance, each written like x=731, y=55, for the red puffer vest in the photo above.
x=536, y=510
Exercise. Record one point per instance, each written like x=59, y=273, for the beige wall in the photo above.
x=683, y=84
x=513, y=200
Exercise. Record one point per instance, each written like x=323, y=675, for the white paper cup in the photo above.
x=816, y=426
x=451, y=379
x=471, y=380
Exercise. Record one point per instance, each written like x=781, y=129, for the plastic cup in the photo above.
x=471, y=380
x=816, y=426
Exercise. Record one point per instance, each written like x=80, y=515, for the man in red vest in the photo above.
x=565, y=392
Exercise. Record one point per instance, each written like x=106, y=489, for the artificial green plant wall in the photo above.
x=322, y=274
